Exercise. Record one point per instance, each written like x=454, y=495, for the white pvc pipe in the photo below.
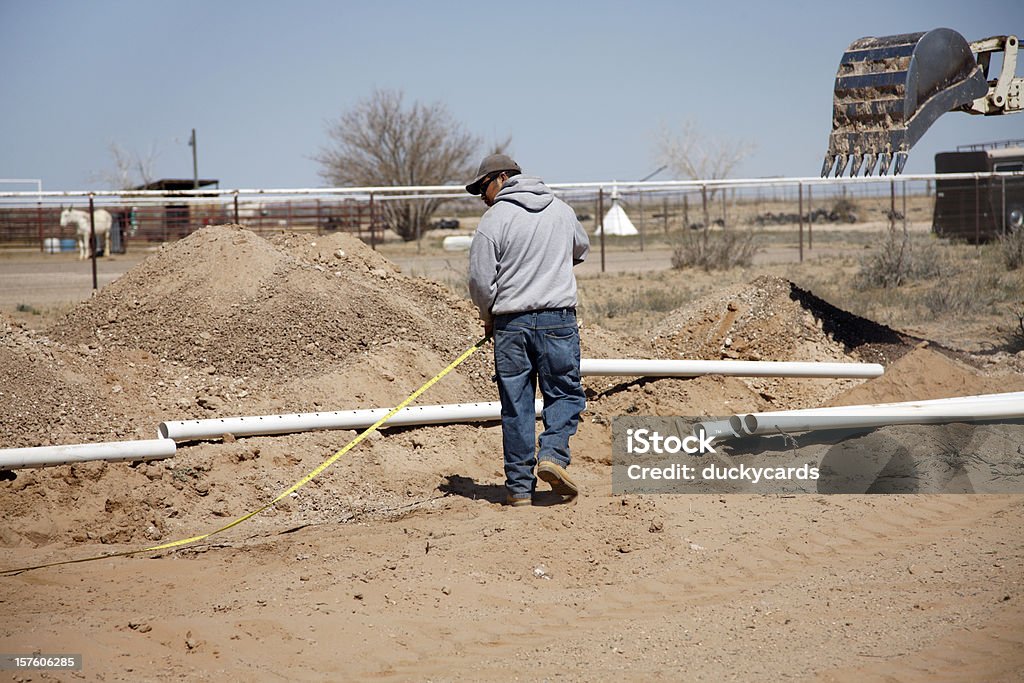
x=721, y=429
x=806, y=423
x=937, y=411
x=954, y=406
x=735, y=368
x=112, y=451
x=188, y=430
x=883, y=407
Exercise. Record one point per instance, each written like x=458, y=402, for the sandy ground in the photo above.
x=398, y=562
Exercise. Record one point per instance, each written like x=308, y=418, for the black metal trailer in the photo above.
x=979, y=209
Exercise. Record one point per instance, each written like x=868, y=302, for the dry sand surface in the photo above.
x=399, y=562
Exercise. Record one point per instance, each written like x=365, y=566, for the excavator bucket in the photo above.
x=889, y=90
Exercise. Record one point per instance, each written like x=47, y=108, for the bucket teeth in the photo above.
x=857, y=160
x=870, y=160
x=841, y=161
x=827, y=166
x=884, y=159
x=901, y=161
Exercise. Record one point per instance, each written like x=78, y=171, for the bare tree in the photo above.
x=130, y=168
x=381, y=141
x=501, y=146
x=694, y=155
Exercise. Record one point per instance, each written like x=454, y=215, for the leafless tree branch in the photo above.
x=382, y=141
x=691, y=154
x=130, y=168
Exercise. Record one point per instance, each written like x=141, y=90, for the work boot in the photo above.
x=518, y=502
x=555, y=475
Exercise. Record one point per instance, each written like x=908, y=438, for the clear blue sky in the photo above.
x=581, y=88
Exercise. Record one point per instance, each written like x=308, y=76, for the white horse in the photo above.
x=81, y=221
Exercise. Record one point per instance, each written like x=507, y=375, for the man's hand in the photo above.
x=488, y=328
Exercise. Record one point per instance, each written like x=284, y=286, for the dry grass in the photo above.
x=623, y=303
x=1010, y=248
x=714, y=250
x=900, y=259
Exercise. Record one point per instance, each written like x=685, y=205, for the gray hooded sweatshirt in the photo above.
x=523, y=251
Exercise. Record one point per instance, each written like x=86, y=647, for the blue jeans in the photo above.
x=539, y=347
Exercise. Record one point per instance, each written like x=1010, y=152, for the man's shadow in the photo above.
x=458, y=485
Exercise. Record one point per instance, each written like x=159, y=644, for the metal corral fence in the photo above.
x=156, y=218
x=970, y=206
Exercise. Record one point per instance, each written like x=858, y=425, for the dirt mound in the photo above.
x=772, y=319
x=925, y=374
x=51, y=394
x=274, y=312
x=227, y=323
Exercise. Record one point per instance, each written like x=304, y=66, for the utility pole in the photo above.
x=195, y=161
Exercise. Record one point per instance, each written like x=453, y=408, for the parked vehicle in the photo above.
x=977, y=210
x=446, y=224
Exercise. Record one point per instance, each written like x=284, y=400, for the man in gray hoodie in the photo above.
x=521, y=280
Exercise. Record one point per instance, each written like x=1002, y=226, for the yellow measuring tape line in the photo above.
x=291, y=489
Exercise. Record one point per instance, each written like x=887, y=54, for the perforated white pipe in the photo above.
x=112, y=451
x=189, y=430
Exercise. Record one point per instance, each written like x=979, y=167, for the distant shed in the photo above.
x=179, y=219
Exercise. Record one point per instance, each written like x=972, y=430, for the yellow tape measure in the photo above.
x=291, y=489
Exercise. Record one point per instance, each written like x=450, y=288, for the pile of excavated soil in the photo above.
x=272, y=311
x=226, y=322
x=50, y=394
x=926, y=374
x=773, y=319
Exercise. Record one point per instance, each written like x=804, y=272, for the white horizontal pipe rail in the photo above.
x=734, y=368
x=111, y=451
x=253, y=193
x=776, y=182
x=191, y=430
